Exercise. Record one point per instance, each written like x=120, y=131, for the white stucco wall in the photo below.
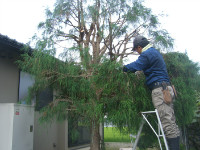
x=9, y=81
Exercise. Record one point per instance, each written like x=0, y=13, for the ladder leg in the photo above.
x=159, y=143
x=163, y=134
x=138, y=135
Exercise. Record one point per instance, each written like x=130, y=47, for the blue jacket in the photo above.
x=153, y=66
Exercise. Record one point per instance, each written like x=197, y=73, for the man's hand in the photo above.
x=138, y=72
x=125, y=69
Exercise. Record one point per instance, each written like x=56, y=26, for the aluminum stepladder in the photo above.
x=158, y=135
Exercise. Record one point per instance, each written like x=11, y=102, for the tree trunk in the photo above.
x=95, y=136
x=185, y=139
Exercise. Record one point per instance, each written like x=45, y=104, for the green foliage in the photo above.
x=162, y=39
x=148, y=140
x=184, y=75
x=107, y=91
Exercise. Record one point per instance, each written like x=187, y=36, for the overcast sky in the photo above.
x=19, y=20
x=182, y=22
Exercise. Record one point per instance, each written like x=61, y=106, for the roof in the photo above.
x=10, y=42
x=9, y=47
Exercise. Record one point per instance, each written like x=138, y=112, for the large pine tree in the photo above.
x=95, y=36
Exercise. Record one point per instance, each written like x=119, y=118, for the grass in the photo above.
x=112, y=134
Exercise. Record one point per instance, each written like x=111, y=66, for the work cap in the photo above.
x=139, y=41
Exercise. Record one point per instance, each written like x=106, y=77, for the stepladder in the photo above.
x=159, y=133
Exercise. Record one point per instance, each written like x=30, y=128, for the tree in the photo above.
x=95, y=36
x=185, y=76
x=193, y=129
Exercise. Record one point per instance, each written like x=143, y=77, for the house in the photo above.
x=14, y=85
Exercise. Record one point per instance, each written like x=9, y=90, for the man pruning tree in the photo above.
x=152, y=64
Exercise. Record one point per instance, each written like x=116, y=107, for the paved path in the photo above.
x=119, y=145
x=86, y=148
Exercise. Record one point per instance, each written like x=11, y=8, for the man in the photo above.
x=152, y=64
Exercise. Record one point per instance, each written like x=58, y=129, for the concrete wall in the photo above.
x=51, y=136
x=9, y=81
x=45, y=135
x=63, y=135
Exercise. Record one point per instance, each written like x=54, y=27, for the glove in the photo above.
x=125, y=69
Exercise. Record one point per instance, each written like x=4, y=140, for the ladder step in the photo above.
x=147, y=112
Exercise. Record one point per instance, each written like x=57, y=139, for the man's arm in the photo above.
x=138, y=65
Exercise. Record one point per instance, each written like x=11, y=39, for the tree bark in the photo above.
x=95, y=136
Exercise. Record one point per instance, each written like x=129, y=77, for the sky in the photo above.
x=182, y=23
x=19, y=20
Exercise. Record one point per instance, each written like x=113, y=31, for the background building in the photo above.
x=14, y=86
